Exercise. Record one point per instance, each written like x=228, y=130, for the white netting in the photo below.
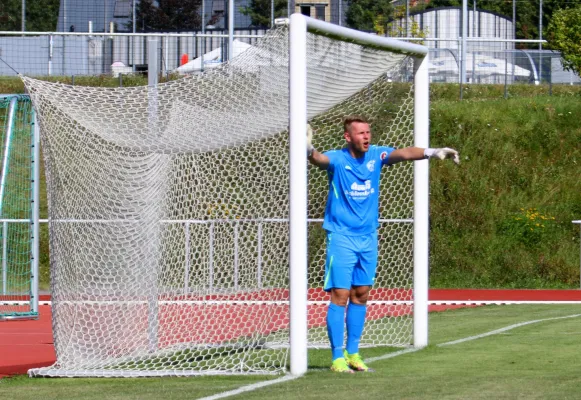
x=169, y=205
x=16, y=194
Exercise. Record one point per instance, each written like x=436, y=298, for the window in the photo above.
x=306, y=10
x=320, y=11
x=123, y=9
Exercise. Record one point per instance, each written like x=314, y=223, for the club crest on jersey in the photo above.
x=383, y=155
x=371, y=165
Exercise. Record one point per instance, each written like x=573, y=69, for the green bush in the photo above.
x=528, y=227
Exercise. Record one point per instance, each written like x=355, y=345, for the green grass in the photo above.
x=438, y=91
x=14, y=85
x=534, y=361
x=517, y=155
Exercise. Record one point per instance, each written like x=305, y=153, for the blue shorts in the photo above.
x=351, y=261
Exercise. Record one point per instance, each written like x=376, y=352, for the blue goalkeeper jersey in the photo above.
x=353, y=201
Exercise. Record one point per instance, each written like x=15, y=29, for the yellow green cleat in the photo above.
x=355, y=362
x=340, y=365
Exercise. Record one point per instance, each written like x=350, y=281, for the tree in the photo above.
x=168, y=15
x=565, y=36
x=41, y=15
x=362, y=14
x=259, y=11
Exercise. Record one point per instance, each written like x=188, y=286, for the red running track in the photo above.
x=29, y=344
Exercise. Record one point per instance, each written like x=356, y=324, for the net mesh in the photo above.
x=169, y=206
x=16, y=118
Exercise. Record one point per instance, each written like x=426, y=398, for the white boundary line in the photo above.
x=249, y=388
x=286, y=378
x=321, y=302
x=507, y=328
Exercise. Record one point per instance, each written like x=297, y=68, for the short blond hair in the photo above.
x=347, y=121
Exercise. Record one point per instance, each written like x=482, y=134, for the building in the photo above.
x=332, y=11
x=77, y=15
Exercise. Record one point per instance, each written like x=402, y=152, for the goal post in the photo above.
x=299, y=25
x=421, y=202
x=185, y=223
x=19, y=207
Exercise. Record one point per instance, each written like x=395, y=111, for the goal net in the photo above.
x=18, y=210
x=169, y=211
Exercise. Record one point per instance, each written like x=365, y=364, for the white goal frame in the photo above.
x=299, y=25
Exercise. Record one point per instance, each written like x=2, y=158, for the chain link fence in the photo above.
x=480, y=42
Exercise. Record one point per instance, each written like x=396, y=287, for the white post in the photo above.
x=298, y=195
x=540, y=43
x=35, y=254
x=152, y=80
x=473, y=36
x=203, y=42
x=152, y=64
x=230, y=29
x=134, y=29
x=464, y=34
x=421, y=202
x=50, y=44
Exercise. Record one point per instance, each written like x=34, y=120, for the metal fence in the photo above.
x=84, y=54
x=66, y=54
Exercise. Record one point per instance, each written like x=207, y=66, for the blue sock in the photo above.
x=355, y=322
x=335, y=329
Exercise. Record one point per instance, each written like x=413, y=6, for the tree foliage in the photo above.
x=565, y=36
x=259, y=11
x=363, y=14
x=168, y=15
x=41, y=15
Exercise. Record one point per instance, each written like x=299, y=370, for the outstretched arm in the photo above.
x=418, y=153
x=315, y=158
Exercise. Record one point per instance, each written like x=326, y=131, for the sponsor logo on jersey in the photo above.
x=360, y=191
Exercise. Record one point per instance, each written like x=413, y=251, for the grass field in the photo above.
x=490, y=352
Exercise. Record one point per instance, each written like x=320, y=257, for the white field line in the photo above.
x=287, y=378
x=283, y=302
x=249, y=388
x=497, y=331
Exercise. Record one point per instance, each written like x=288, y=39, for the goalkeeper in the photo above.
x=351, y=222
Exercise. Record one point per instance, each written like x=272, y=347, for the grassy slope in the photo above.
x=517, y=154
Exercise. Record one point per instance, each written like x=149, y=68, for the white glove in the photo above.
x=442, y=154
x=310, y=147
